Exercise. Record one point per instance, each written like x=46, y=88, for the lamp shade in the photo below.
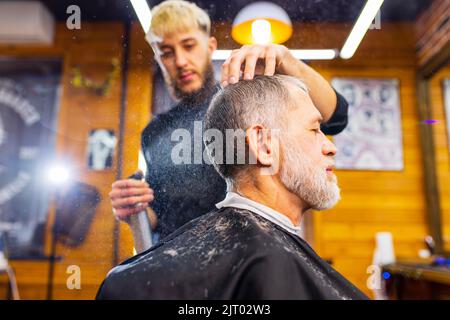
x=261, y=22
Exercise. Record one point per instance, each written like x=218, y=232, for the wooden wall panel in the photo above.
x=82, y=111
x=433, y=30
x=442, y=149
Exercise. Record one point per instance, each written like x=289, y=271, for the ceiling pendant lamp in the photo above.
x=261, y=23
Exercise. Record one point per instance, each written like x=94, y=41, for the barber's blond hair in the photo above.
x=177, y=15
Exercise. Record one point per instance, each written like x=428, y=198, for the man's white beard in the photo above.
x=304, y=178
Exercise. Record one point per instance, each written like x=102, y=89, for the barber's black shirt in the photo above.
x=187, y=190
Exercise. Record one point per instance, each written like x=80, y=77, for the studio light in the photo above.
x=58, y=174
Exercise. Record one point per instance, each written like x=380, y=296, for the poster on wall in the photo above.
x=28, y=111
x=446, y=85
x=101, y=146
x=372, y=139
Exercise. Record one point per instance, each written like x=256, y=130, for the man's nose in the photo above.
x=329, y=149
x=180, y=59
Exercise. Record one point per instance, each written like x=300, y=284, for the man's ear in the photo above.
x=262, y=145
x=212, y=44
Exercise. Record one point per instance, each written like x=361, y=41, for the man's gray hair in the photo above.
x=263, y=100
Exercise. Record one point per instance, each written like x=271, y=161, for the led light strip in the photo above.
x=143, y=12
x=360, y=28
x=303, y=54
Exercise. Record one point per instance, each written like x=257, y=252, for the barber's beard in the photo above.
x=198, y=96
x=307, y=180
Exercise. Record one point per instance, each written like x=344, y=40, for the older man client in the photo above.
x=250, y=248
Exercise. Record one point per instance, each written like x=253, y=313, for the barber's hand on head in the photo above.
x=251, y=60
x=129, y=197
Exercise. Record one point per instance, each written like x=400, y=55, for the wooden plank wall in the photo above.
x=432, y=30
x=442, y=149
x=82, y=111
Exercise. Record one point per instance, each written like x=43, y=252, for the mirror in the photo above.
x=74, y=108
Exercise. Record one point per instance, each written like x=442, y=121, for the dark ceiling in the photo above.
x=226, y=10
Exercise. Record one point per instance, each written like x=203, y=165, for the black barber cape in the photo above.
x=184, y=191
x=228, y=253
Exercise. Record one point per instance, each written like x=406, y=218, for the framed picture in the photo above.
x=101, y=148
x=373, y=137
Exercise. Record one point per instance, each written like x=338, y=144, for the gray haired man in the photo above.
x=250, y=246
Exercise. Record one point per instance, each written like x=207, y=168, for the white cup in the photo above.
x=384, y=251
